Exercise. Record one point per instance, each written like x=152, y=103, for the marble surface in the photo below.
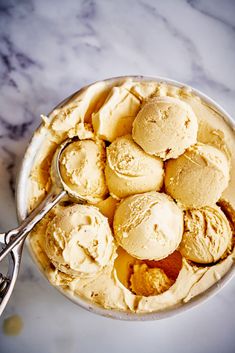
x=49, y=49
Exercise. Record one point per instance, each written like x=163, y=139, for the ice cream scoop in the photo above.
x=148, y=225
x=12, y=241
x=82, y=169
x=79, y=240
x=165, y=127
x=129, y=170
x=207, y=234
x=198, y=177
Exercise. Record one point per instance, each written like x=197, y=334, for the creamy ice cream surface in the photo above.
x=165, y=127
x=129, y=170
x=149, y=281
x=198, y=177
x=146, y=240
x=122, y=106
x=148, y=225
x=82, y=169
x=207, y=234
x=79, y=240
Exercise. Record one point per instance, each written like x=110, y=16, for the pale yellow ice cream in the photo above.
x=116, y=115
x=79, y=240
x=129, y=170
x=165, y=127
x=207, y=234
x=149, y=225
x=198, y=177
x=109, y=285
x=82, y=169
x=149, y=281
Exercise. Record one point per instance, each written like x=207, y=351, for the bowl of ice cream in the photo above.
x=155, y=160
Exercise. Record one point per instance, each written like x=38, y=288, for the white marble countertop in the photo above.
x=49, y=49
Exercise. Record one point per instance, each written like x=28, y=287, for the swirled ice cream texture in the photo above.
x=79, y=240
x=82, y=169
x=129, y=170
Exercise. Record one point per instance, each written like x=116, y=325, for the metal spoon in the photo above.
x=11, y=242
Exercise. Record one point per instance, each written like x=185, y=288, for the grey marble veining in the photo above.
x=48, y=49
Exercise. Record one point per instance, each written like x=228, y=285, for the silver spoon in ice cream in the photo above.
x=12, y=241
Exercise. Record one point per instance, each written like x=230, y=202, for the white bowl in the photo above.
x=21, y=199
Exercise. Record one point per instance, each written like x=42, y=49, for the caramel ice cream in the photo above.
x=198, y=177
x=149, y=225
x=79, y=240
x=129, y=170
x=128, y=249
x=116, y=115
x=82, y=169
x=149, y=281
x=108, y=207
x=165, y=127
x=147, y=277
x=207, y=235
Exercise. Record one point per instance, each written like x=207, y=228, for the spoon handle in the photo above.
x=15, y=236
x=7, y=282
